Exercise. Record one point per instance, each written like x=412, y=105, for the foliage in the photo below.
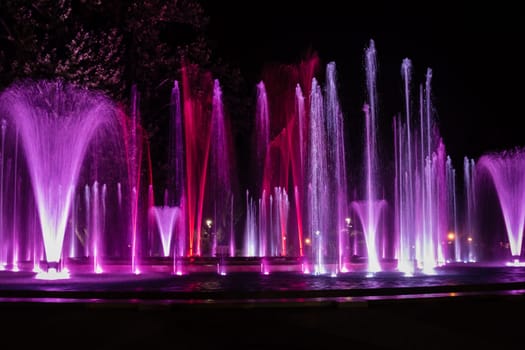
x=111, y=45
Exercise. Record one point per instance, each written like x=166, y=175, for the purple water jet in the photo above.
x=506, y=171
x=371, y=212
x=470, y=229
x=424, y=182
x=219, y=191
x=166, y=218
x=57, y=122
x=297, y=206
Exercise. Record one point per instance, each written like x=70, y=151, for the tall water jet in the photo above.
x=133, y=138
x=286, y=161
x=469, y=175
x=455, y=254
x=2, y=162
x=424, y=206
x=506, y=172
x=197, y=95
x=260, y=144
x=262, y=132
x=336, y=165
x=57, y=122
x=404, y=180
x=176, y=149
x=317, y=175
x=176, y=185
x=219, y=184
x=250, y=228
x=369, y=210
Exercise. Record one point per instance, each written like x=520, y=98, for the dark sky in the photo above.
x=472, y=49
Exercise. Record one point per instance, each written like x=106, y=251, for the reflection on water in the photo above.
x=467, y=276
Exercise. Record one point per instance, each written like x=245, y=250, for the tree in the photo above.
x=110, y=45
x=102, y=44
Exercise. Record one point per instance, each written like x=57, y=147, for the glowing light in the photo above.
x=136, y=271
x=306, y=269
x=209, y=222
x=307, y=241
x=516, y=262
x=52, y=274
x=451, y=236
x=348, y=221
x=429, y=270
x=469, y=239
x=98, y=269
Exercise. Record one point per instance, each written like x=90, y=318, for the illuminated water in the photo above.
x=77, y=190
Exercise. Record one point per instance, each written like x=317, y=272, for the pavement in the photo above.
x=442, y=321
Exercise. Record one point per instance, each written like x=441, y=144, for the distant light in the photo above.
x=223, y=273
x=348, y=221
x=137, y=271
x=209, y=222
x=451, y=236
x=469, y=239
x=98, y=269
x=317, y=233
x=307, y=241
x=266, y=273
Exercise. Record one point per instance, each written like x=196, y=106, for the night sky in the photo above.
x=472, y=50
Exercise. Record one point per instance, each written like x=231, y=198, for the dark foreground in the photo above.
x=482, y=321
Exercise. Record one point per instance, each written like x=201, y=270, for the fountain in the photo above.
x=424, y=182
x=56, y=123
x=506, y=172
x=370, y=209
x=90, y=208
x=166, y=217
